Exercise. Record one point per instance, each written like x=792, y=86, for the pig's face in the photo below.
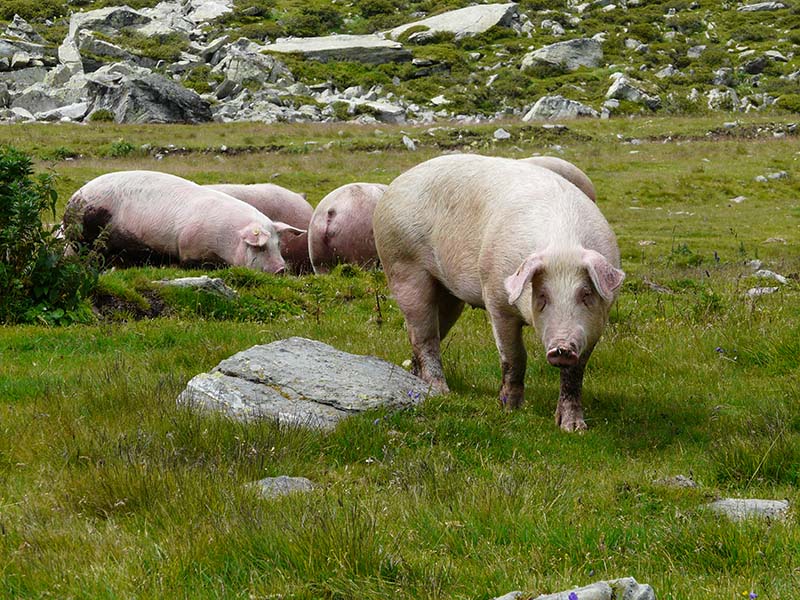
x=262, y=245
x=571, y=297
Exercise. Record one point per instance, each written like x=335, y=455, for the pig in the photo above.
x=340, y=230
x=514, y=238
x=568, y=171
x=279, y=204
x=151, y=215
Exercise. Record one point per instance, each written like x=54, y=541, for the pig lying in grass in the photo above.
x=568, y=171
x=152, y=216
x=340, y=230
x=516, y=239
x=279, y=204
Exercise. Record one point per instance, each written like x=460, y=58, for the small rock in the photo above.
x=740, y=509
x=647, y=243
x=754, y=264
x=501, y=134
x=761, y=179
x=738, y=199
x=757, y=292
x=775, y=240
x=204, y=283
x=679, y=481
x=409, y=143
x=767, y=274
x=272, y=487
x=626, y=588
x=778, y=175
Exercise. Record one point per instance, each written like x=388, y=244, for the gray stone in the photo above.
x=302, y=382
x=149, y=98
x=617, y=589
x=273, y=487
x=204, y=283
x=510, y=596
x=200, y=11
x=23, y=78
x=626, y=89
x=723, y=76
x=360, y=48
x=695, y=51
x=20, y=28
x=166, y=18
x=463, y=22
x=558, y=107
x=678, y=481
x=761, y=6
x=409, y=143
x=668, y=71
x=570, y=54
x=726, y=99
x=242, y=61
x=757, y=292
x=776, y=56
x=767, y=274
x=501, y=134
x=18, y=54
x=778, y=175
x=385, y=112
x=70, y=112
x=740, y=509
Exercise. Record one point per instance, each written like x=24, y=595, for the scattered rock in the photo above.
x=626, y=588
x=738, y=199
x=570, y=54
x=767, y=274
x=757, y=292
x=204, y=283
x=302, y=382
x=740, y=509
x=761, y=6
x=501, y=134
x=626, y=89
x=678, y=481
x=464, y=22
x=775, y=240
x=409, y=143
x=360, y=48
x=273, y=487
x=558, y=107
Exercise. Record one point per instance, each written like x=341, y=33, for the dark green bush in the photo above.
x=42, y=9
x=102, y=115
x=38, y=283
x=790, y=102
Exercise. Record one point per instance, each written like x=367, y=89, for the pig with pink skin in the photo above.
x=158, y=216
x=513, y=238
x=340, y=230
x=568, y=171
x=279, y=204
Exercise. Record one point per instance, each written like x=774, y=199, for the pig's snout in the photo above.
x=280, y=270
x=562, y=355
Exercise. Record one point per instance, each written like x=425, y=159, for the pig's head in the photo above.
x=261, y=245
x=572, y=293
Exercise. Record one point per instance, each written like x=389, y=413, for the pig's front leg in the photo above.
x=569, y=412
x=508, y=337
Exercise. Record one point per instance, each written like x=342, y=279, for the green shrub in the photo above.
x=41, y=9
x=121, y=148
x=38, y=283
x=790, y=102
x=102, y=115
x=313, y=20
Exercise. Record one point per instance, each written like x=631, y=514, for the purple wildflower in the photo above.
x=573, y=596
x=753, y=596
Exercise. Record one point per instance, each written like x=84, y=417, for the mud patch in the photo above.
x=109, y=307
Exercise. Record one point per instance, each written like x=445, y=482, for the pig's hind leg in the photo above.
x=416, y=293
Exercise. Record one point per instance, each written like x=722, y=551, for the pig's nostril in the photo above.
x=280, y=271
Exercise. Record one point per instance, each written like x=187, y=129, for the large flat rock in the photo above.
x=359, y=48
x=302, y=382
x=463, y=22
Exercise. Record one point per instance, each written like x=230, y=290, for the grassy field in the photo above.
x=109, y=490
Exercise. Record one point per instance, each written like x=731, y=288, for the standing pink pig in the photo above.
x=279, y=204
x=510, y=237
x=340, y=230
x=152, y=215
x=568, y=171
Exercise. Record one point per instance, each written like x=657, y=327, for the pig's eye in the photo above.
x=587, y=296
x=541, y=301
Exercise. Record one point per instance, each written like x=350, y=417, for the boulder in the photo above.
x=761, y=6
x=558, y=107
x=627, y=89
x=626, y=588
x=570, y=54
x=370, y=49
x=201, y=11
x=147, y=98
x=166, y=18
x=302, y=382
x=20, y=28
x=464, y=22
x=19, y=54
x=242, y=61
x=70, y=112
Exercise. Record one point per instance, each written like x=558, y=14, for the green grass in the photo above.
x=110, y=490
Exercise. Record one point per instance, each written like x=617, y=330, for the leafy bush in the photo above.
x=42, y=9
x=38, y=282
x=102, y=115
x=121, y=148
x=790, y=102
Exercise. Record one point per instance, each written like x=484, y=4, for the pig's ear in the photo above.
x=605, y=277
x=527, y=270
x=255, y=235
x=282, y=229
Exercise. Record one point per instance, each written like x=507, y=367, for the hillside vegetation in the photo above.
x=719, y=58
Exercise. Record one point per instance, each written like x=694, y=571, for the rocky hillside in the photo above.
x=393, y=60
